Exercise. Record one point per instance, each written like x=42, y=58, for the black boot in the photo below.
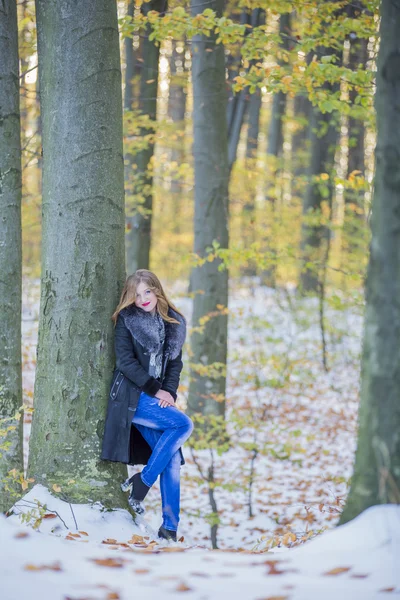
x=138, y=493
x=167, y=534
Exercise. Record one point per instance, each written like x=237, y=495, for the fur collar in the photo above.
x=144, y=329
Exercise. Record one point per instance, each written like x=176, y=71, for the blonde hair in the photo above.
x=128, y=295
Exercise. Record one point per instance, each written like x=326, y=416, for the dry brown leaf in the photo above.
x=108, y=562
x=21, y=534
x=56, y=488
x=49, y=516
x=83, y=532
x=109, y=541
x=337, y=571
x=141, y=571
x=182, y=587
x=54, y=567
x=181, y=539
x=171, y=549
x=75, y=535
x=113, y=596
x=389, y=589
x=274, y=598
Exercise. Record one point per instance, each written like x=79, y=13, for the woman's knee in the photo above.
x=189, y=424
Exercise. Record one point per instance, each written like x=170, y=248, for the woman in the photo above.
x=143, y=426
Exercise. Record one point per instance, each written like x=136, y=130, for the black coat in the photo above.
x=136, y=336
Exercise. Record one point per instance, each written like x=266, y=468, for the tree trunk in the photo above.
x=324, y=135
x=376, y=478
x=130, y=68
x=300, y=152
x=176, y=112
x=138, y=238
x=314, y=236
x=253, y=130
x=11, y=455
x=210, y=286
x=82, y=247
x=274, y=157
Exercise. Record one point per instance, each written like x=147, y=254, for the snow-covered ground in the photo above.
x=107, y=559
x=292, y=429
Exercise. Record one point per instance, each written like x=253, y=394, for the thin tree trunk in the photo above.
x=11, y=454
x=176, y=112
x=130, y=69
x=300, y=139
x=274, y=156
x=253, y=129
x=138, y=238
x=376, y=478
x=358, y=56
x=324, y=135
x=82, y=247
x=209, y=284
x=314, y=236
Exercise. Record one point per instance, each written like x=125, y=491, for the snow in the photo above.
x=303, y=421
x=355, y=561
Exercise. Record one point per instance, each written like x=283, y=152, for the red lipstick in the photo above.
x=147, y=303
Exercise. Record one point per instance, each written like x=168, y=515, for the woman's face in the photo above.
x=145, y=298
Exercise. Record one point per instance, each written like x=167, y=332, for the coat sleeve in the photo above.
x=127, y=362
x=172, y=375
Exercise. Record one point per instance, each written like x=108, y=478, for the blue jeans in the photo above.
x=165, y=430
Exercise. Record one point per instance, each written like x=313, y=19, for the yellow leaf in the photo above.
x=338, y=571
x=56, y=488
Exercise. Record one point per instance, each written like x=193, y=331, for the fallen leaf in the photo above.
x=137, y=539
x=21, y=534
x=109, y=541
x=54, y=567
x=83, y=532
x=141, y=571
x=182, y=587
x=108, y=562
x=274, y=598
x=337, y=571
x=49, y=516
x=56, y=488
x=389, y=589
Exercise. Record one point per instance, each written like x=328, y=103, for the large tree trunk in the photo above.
x=210, y=286
x=376, y=478
x=82, y=247
x=138, y=239
x=11, y=456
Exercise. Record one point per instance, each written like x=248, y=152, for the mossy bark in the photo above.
x=376, y=478
x=83, y=267
x=209, y=284
x=11, y=456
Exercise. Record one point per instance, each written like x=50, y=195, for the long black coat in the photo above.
x=136, y=336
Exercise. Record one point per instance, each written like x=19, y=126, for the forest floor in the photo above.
x=283, y=482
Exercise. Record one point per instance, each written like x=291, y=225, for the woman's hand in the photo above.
x=165, y=399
